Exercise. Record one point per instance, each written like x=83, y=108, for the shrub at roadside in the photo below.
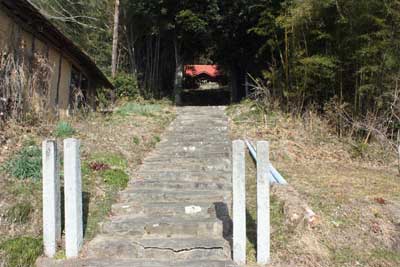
x=126, y=86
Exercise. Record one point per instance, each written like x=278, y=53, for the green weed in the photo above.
x=138, y=109
x=26, y=164
x=116, y=178
x=21, y=251
x=64, y=130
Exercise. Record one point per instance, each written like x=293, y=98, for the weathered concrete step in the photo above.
x=193, y=150
x=195, y=138
x=163, y=227
x=199, y=133
x=149, y=195
x=183, y=168
x=180, y=185
x=206, y=161
x=209, y=131
x=161, y=249
x=194, y=176
x=193, y=147
x=198, y=126
x=198, y=143
x=107, y=262
x=172, y=209
x=169, y=178
x=195, y=155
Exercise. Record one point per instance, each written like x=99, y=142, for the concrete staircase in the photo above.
x=176, y=212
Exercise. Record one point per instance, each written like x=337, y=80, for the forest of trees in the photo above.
x=307, y=52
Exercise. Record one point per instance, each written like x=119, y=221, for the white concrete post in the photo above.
x=239, y=202
x=51, y=198
x=263, y=205
x=73, y=198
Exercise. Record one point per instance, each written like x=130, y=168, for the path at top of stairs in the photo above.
x=176, y=211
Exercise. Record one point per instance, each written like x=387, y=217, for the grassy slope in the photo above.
x=345, y=185
x=117, y=142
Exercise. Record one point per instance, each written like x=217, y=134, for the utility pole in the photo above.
x=115, y=41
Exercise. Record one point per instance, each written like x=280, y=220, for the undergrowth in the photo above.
x=26, y=163
x=64, y=130
x=21, y=251
x=147, y=110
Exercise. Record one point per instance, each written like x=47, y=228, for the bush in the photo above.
x=26, y=164
x=21, y=251
x=126, y=85
x=64, y=130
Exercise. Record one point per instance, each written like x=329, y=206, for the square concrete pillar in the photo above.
x=51, y=198
x=73, y=198
x=263, y=204
x=239, y=202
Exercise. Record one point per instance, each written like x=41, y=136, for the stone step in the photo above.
x=194, y=155
x=199, y=126
x=207, y=161
x=195, y=138
x=198, y=143
x=210, y=131
x=172, y=209
x=162, y=227
x=107, y=262
x=183, y=168
x=179, y=185
x=118, y=247
x=194, y=176
x=149, y=195
x=193, y=147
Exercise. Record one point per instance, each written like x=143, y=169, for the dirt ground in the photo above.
x=354, y=194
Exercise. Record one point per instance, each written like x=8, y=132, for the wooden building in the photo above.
x=24, y=30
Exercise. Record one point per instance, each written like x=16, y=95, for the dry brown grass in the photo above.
x=353, y=189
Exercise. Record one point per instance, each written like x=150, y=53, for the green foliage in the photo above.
x=21, y=251
x=19, y=213
x=116, y=178
x=64, y=130
x=134, y=108
x=126, y=85
x=26, y=163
